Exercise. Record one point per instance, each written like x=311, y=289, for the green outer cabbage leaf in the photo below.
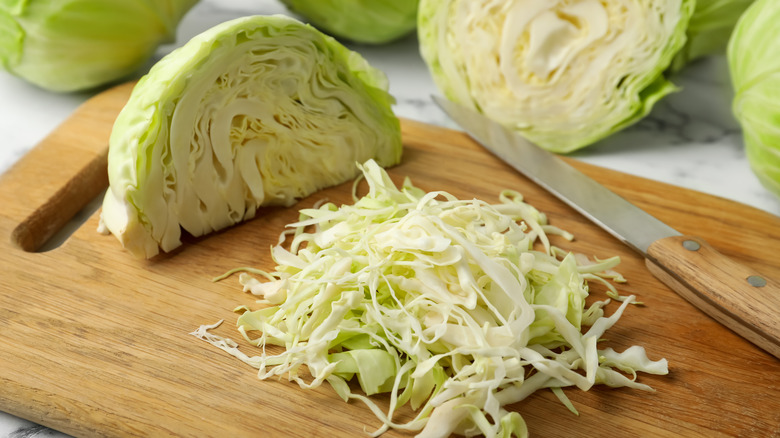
x=562, y=74
x=362, y=21
x=709, y=29
x=754, y=65
x=257, y=111
x=457, y=307
x=71, y=45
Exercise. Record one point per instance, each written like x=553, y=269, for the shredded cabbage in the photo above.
x=458, y=308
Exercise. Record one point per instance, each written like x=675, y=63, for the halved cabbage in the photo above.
x=257, y=111
x=362, y=21
x=755, y=73
x=70, y=45
x=562, y=73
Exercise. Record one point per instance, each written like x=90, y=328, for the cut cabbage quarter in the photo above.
x=562, y=73
x=257, y=111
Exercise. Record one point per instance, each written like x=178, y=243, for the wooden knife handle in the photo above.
x=735, y=295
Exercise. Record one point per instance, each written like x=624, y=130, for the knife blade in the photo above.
x=733, y=294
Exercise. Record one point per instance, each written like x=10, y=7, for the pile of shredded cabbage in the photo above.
x=456, y=307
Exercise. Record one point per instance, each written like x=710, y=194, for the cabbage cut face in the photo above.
x=362, y=21
x=562, y=73
x=755, y=73
x=70, y=45
x=256, y=111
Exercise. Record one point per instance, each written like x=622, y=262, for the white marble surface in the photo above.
x=690, y=139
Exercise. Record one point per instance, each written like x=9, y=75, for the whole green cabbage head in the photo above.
x=72, y=45
x=710, y=29
x=564, y=74
x=257, y=111
x=755, y=74
x=361, y=21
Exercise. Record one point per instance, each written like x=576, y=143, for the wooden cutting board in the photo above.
x=94, y=342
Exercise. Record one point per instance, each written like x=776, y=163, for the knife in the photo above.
x=733, y=294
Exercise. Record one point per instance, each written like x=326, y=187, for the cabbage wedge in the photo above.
x=72, y=45
x=257, y=111
x=562, y=73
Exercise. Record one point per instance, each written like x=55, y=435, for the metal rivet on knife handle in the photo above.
x=756, y=281
x=753, y=280
x=722, y=287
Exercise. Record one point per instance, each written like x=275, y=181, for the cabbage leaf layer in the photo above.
x=709, y=30
x=755, y=73
x=361, y=21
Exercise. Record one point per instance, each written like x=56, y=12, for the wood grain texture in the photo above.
x=721, y=287
x=94, y=342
